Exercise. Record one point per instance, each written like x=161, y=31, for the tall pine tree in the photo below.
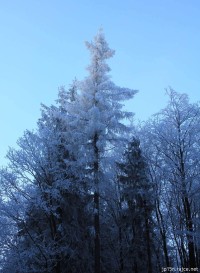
x=99, y=117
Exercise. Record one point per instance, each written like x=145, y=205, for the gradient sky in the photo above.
x=157, y=45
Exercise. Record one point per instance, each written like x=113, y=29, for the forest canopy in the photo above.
x=87, y=192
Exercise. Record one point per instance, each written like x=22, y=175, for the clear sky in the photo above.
x=157, y=45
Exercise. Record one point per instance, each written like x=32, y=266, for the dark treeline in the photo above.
x=85, y=193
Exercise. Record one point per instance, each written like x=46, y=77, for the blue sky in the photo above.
x=42, y=47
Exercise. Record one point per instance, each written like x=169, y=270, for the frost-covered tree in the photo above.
x=99, y=118
x=172, y=146
x=53, y=228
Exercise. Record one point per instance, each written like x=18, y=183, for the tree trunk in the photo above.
x=162, y=233
x=97, y=247
x=121, y=250
x=97, y=234
x=148, y=241
x=190, y=239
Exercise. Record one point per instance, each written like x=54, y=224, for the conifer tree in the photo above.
x=99, y=115
x=137, y=201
